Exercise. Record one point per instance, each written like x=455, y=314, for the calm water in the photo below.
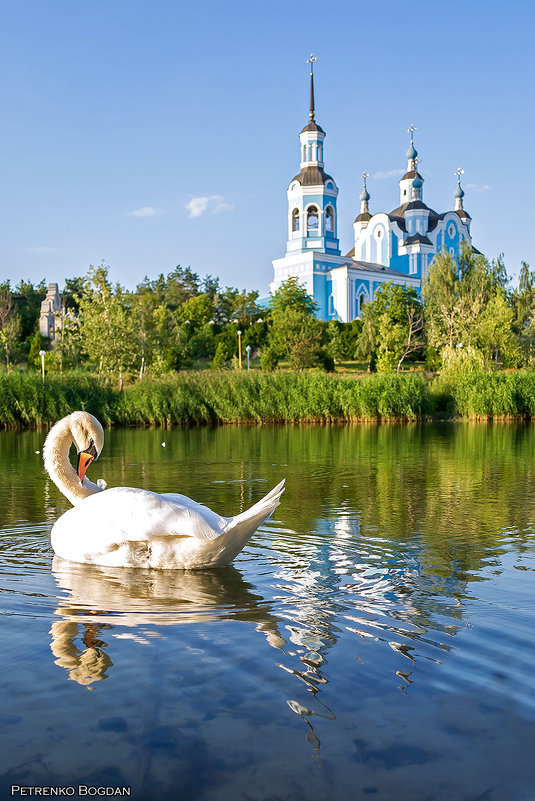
x=374, y=639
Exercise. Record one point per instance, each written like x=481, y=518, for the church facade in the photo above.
x=397, y=246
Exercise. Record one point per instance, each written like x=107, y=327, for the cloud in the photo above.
x=388, y=173
x=478, y=187
x=212, y=203
x=43, y=249
x=145, y=211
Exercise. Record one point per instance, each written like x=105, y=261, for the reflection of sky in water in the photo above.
x=375, y=635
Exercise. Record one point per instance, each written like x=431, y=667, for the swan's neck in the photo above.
x=59, y=468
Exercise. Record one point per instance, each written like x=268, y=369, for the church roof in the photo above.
x=398, y=215
x=463, y=214
x=423, y=240
x=312, y=176
x=364, y=217
x=370, y=267
x=313, y=127
x=412, y=174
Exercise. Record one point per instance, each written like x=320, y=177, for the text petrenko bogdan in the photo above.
x=80, y=791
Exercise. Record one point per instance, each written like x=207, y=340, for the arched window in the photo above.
x=362, y=301
x=329, y=219
x=313, y=219
x=295, y=220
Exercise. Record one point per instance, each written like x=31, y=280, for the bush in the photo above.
x=269, y=361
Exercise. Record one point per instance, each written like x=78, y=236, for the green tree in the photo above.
x=457, y=294
x=9, y=326
x=295, y=332
x=392, y=326
x=109, y=330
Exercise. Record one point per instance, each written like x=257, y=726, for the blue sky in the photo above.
x=155, y=133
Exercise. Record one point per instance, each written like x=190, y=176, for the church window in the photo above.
x=362, y=301
x=312, y=218
x=329, y=219
x=319, y=153
x=331, y=304
x=379, y=233
x=295, y=220
x=451, y=231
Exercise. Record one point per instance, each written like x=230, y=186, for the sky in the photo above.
x=153, y=133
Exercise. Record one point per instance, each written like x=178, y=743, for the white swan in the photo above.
x=126, y=527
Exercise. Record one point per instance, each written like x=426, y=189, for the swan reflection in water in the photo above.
x=101, y=598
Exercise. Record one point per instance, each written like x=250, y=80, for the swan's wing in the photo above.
x=204, y=524
x=139, y=515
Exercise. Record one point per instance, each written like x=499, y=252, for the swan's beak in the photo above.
x=84, y=460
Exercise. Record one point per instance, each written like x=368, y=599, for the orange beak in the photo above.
x=84, y=460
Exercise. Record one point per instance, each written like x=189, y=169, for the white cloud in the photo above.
x=388, y=173
x=146, y=211
x=43, y=249
x=478, y=187
x=212, y=203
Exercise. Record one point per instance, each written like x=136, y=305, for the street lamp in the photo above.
x=239, y=347
x=42, y=355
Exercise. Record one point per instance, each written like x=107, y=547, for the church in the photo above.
x=396, y=246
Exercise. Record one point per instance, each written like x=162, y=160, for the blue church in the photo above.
x=396, y=246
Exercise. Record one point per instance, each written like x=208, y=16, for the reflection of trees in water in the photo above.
x=408, y=515
x=100, y=599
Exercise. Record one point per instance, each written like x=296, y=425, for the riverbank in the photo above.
x=208, y=398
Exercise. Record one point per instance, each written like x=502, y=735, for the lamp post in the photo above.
x=248, y=350
x=239, y=348
x=42, y=355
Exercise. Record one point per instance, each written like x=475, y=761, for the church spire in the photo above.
x=365, y=195
x=311, y=61
x=412, y=153
x=458, y=194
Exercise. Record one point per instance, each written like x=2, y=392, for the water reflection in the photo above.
x=98, y=600
x=392, y=592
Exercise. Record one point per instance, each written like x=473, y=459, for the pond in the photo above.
x=373, y=640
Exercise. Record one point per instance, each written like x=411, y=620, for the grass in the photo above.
x=199, y=398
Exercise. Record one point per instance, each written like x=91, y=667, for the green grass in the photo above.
x=197, y=398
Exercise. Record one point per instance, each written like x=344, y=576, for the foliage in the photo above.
x=295, y=332
x=111, y=336
x=392, y=327
x=457, y=294
x=269, y=360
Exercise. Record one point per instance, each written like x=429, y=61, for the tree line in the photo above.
x=466, y=317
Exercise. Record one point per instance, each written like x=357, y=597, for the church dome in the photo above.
x=417, y=183
x=412, y=152
x=458, y=192
x=364, y=195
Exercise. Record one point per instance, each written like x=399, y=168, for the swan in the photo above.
x=127, y=527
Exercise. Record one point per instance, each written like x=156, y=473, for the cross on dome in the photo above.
x=412, y=128
x=311, y=61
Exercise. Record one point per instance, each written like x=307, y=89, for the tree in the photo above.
x=392, y=326
x=109, y=330
x=9, y=325
x=457, y=294
x=295, y=332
